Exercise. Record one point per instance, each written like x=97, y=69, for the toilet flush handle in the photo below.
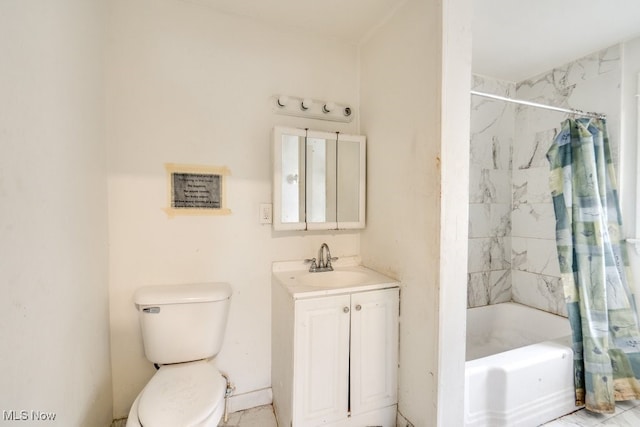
x=152, y=310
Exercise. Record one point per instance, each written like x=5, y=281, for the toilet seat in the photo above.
x=184, y=394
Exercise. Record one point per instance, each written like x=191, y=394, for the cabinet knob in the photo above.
x=358, y=307
x=346, y=309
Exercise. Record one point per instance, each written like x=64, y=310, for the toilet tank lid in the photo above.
x=182, y=294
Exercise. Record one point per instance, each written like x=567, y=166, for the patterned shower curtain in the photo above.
x=594, y=266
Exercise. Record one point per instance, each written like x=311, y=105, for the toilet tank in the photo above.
x=182, y=323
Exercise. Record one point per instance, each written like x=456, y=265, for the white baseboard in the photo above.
x=251, y=399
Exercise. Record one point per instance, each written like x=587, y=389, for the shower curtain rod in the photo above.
x=538, y=105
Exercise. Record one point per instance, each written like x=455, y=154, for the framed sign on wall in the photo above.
x=196, y=190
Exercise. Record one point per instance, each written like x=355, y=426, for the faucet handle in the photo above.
x=329, y=266
x=313, y=267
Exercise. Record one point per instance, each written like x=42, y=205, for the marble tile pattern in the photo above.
x=260, y=416
x=627, y=414
x=401, y=421
x=512, y=252
x=492, y=126
x=591, y=83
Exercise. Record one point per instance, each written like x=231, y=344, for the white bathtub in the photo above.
x=519, y=369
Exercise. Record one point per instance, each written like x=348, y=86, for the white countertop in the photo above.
x=288, y=274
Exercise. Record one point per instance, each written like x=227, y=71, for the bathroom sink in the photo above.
x=336, y=278
x=349, y=275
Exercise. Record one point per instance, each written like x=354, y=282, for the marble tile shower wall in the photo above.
x=492, y=131
x=591, y=83
x=512, y=253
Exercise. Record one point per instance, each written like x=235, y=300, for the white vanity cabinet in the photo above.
x=335, y=358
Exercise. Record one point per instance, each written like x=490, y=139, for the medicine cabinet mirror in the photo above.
x=319, y=180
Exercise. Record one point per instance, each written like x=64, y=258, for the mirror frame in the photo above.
x=278, y=131
x=327, y=136
x=359, y=223
x=362, y=176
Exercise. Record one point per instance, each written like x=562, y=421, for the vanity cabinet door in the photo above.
x=374, y=349
x=321, y=360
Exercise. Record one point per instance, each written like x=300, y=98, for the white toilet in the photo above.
x=182, y=329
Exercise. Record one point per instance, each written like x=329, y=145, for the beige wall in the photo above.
x=185, y=84
x=410, y=162
x=54, y=329
x=417, y=193
x=454, y=215
x=189, y=85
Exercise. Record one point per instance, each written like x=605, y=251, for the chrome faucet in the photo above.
x=323, y=262
x=324, y=258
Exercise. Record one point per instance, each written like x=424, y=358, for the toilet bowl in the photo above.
x=186, y=395
x=182, y=330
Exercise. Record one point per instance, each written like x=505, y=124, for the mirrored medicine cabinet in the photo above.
x=319, y=180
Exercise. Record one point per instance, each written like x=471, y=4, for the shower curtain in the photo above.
x=594, y=266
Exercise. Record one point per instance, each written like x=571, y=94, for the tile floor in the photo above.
x=261, y=416
x=627, y=415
